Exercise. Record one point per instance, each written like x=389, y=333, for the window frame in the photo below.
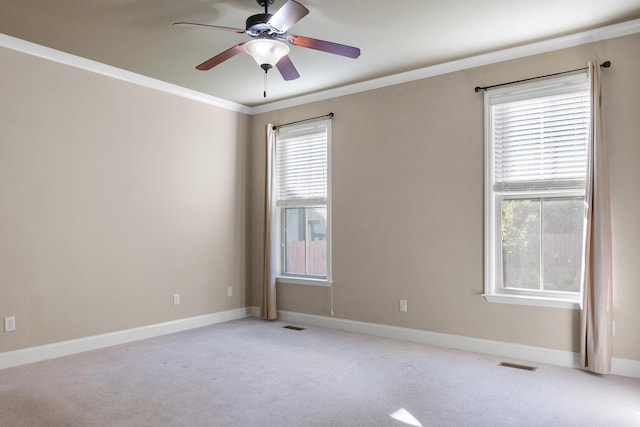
x=493, y=289
x=280, y=209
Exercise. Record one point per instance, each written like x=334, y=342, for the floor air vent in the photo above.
x=516, y=366
x=293, y=328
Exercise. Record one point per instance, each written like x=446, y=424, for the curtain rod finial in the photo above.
x=606, y=64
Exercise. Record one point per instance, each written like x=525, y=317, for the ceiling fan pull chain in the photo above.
x=265, y=84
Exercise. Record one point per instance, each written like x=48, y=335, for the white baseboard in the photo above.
x=64, y=348
x=253, y=311
x=624, y=367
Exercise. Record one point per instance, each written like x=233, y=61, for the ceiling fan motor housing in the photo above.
x=258, y=25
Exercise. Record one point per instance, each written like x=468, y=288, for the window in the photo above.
x=303, y=202
x=535, y=177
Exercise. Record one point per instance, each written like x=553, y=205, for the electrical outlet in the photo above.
x=10, y=323
x=229, y=291
x=403, y=305
x=176, y=299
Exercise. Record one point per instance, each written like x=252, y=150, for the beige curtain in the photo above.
x=596, y=317
x=268, y=308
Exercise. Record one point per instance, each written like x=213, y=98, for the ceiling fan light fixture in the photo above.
x=266, y=52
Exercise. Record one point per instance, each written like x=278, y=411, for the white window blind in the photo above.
x=541, y=143
x=536, y=140
x=302, y=162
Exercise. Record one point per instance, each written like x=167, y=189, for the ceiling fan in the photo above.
x=268, y=31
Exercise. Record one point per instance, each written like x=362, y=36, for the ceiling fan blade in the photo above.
x=290, y=13
x=212, y=27
x=325, y=46
x=221, y=57
x=287, y=69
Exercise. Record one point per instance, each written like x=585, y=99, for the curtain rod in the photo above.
x=605, y=64
x=330, y=115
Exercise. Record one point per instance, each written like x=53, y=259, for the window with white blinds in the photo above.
x=536, y=141
x=541, y=143
x=303, y=154
x=302, y=162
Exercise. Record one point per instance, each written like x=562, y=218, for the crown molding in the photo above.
x=44, y=52
x=573, y=40
x=578, y=39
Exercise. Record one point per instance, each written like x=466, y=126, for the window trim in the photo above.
x=493, y=292
x=279, y=208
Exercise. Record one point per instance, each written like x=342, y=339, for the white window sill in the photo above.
x=304, y=281
x=535, y=301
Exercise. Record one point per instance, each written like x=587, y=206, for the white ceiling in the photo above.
x=394, y=36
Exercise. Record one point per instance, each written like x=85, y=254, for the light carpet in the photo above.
x=252, y=372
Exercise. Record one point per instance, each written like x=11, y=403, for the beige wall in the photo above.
x=408, y=204
x=113, y=197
